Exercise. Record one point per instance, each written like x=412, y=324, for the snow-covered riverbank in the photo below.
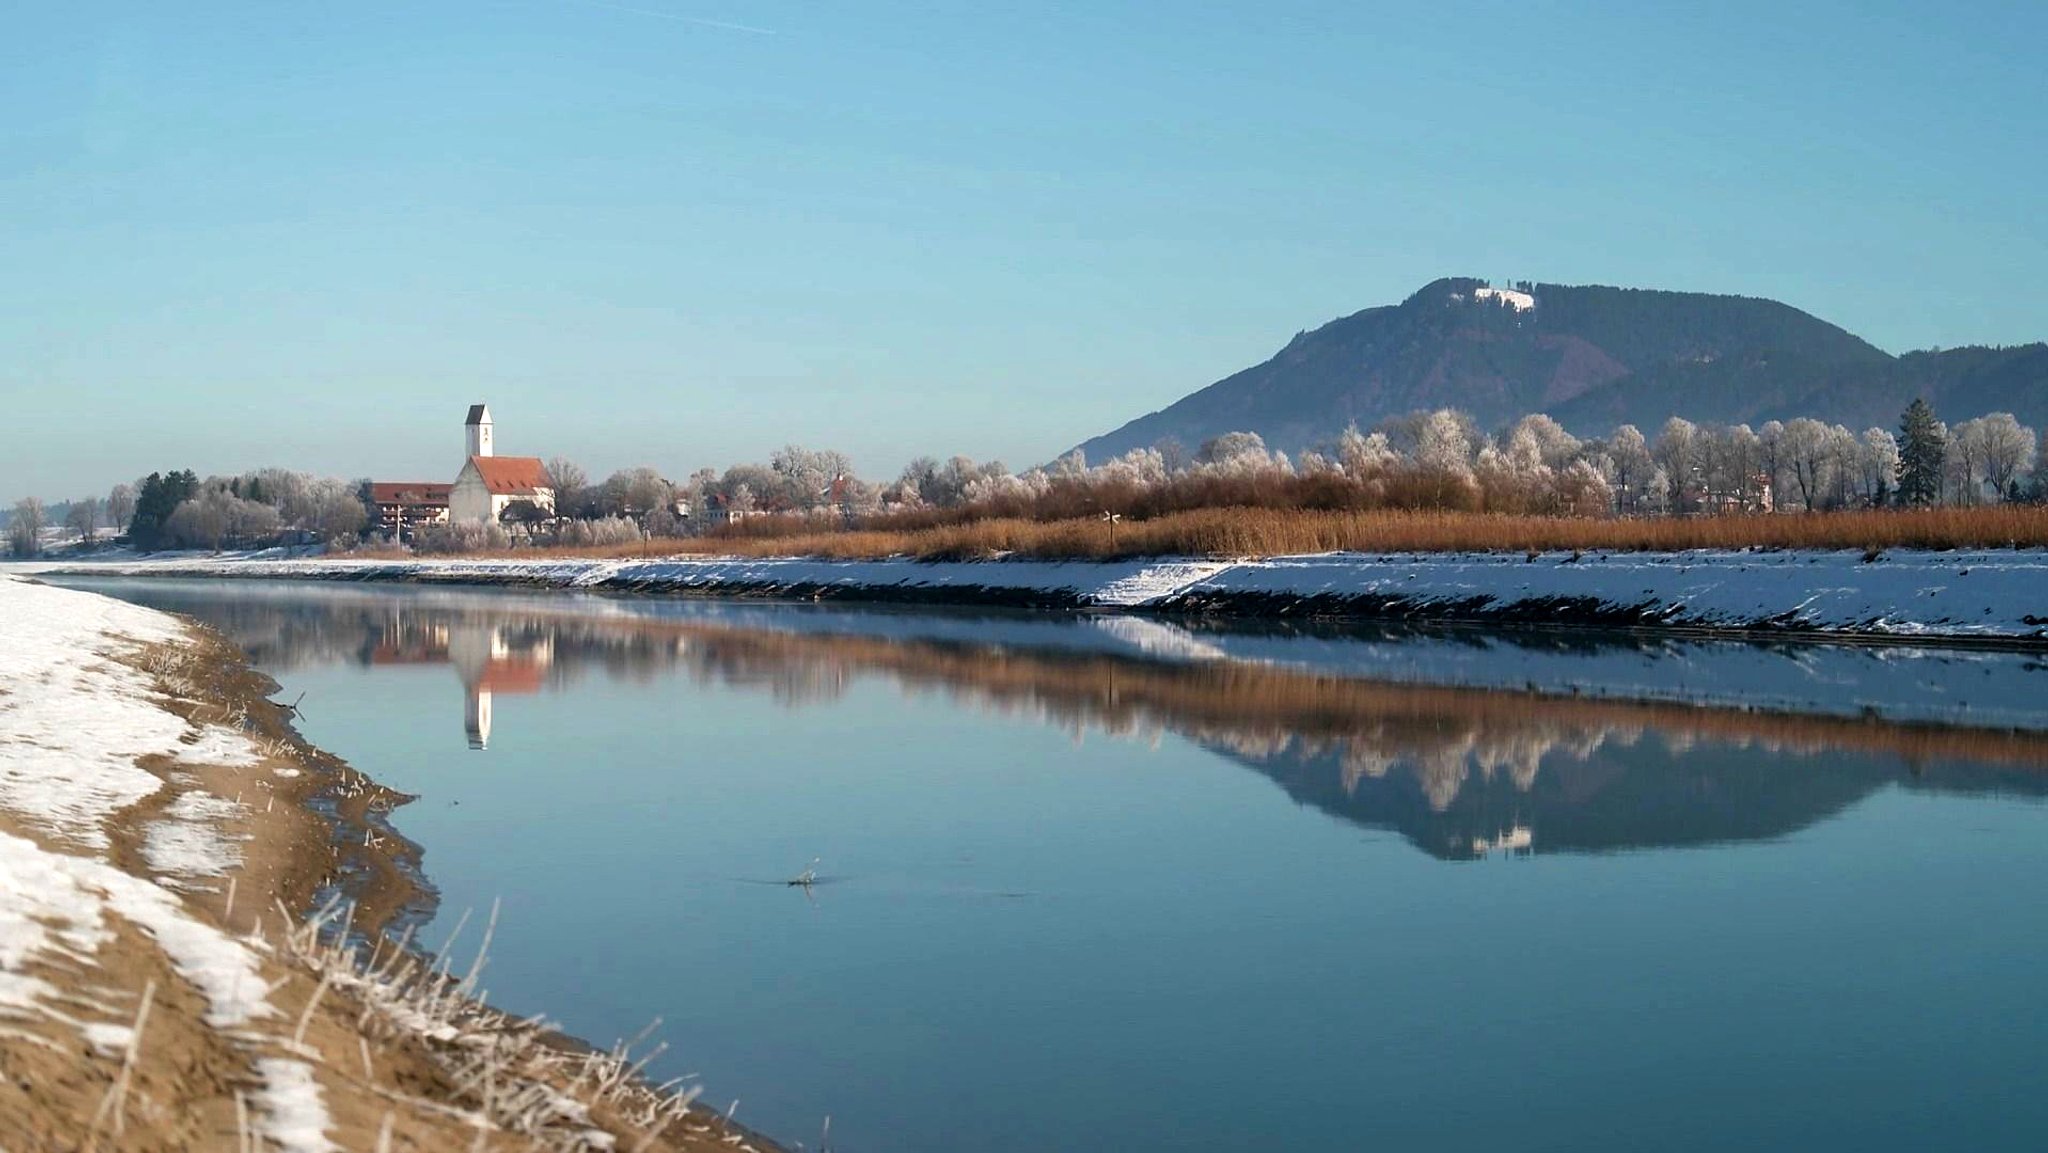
x=76, y=725
x=1983, y=595
x=158, y=841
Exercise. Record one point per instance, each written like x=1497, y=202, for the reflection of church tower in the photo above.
x=491, y=661
x=476, y=718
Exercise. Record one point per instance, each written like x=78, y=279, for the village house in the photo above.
x=1755, y=498
x=401, y=507
x=491, y=486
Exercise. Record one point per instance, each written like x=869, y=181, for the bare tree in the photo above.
x=636, y=492
x=337, y=514
x=120, y=507
x=201, y=522
x=568, y=480
x=1805, y=451
x=1175, y=454
x=2007, y=447
x=84, y=517
x=25, y=530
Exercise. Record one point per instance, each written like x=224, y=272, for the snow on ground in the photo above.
x=73, y=724
x=1978, y=594
x=189, y=843
x=1923, y=594
x=1156, y=582
x=1519, y=301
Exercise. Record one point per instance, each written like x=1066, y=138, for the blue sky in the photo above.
x=683, y=232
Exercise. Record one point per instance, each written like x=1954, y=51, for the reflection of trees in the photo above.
x=1447, y=766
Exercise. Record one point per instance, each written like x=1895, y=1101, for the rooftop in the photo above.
x=512, y=475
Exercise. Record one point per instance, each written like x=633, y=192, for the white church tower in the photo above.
x=479, y=428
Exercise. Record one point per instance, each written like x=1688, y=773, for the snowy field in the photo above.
x=1927, y=595
x=73, y=725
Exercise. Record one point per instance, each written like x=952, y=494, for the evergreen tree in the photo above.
x=1923, y=448
x=156, y=498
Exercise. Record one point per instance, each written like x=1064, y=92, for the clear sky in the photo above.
x=683, y=232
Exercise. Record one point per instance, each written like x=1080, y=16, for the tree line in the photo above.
x=1424, y=460
x=1443, y=460
x=178, y=510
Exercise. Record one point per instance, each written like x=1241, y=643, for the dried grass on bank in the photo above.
x=1277, y=532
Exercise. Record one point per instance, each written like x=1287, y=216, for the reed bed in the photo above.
x=1258, y=532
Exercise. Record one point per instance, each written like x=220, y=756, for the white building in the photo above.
x=489, y=484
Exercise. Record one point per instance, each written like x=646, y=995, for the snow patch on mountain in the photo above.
x=1519, y=301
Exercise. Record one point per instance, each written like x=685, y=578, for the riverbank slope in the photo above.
x=1982, y=595
x=163, y=836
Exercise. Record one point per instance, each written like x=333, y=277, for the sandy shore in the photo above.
x=185, y=889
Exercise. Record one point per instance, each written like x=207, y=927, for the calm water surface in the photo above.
x=1078, y=896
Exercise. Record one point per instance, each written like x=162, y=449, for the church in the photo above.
x=484, y=491
x=490, y=485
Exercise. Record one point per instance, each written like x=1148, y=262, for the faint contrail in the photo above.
x=700, y=21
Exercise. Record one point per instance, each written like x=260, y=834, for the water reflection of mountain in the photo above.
x=1459, y=772
x=1601, y=789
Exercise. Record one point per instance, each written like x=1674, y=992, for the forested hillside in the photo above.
x=1593, y=357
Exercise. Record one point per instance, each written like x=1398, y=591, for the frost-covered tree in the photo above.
x=1140, y=468
x=1729, y=460
x=1878, y=466
x=1554, y=445
x=1514, y=477
x=1234, y=449
x=1073, y=464
x=1583, y=491
x=1844, y=451
x=337, y=514
x=1443, y=460
x=811, y=476
x=1444, y=443
x=2003, y=447
x=1676, y=451
x=1770, y=447
x=1805, y=451
x=1632, y=467
x=1026, y=486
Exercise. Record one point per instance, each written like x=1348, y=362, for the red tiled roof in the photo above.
x=409, y=492
x=513, y=677
x=512, y=475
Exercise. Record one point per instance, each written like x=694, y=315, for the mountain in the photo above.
x=1591, y=356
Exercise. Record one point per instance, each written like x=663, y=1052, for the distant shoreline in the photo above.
x=1984, y=597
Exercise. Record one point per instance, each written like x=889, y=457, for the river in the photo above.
x=1093, y=882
